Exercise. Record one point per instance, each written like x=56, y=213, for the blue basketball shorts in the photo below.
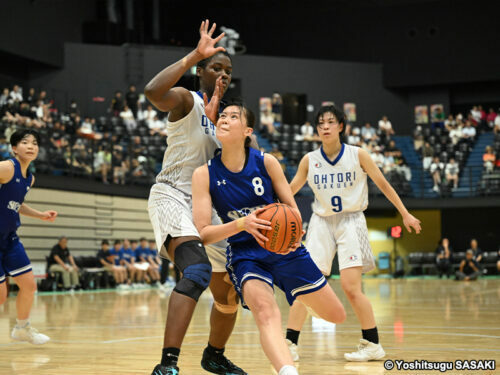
x=13, y=258
x=294, y=273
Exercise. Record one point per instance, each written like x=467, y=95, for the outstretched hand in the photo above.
x=206, y=45
x=212, y=107
x=411, y=221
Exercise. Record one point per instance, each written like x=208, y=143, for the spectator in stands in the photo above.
x=385, y=127
x=157, y=126
x=468, y=133
x=132, y=99
x=451, y=173
x=368, y=133
x=443, y=258
x=149, y=114
x=267, y=122
x=58, y=138
x=154, y=257
x=140, y=265
x=108, y=262
x=73, y=109
x=60, y=260
x=469, y=269
x=307, y=131
x=16, y=95
x=418, y=143
x=476, y=114
x=482, y=120
x=449, y=122
x=489, y=159
x=354, y=138
x=455, y=133
x=427, y=155
x=117, y=103
x=31, y=97
x=276, y=105
x=87, y=129
x=119, y=258
x=438, y=119
x=490, y=118
x=477, y=253
x=436, y=169
x=119, y=165
x=102, y=163
x=128, y=119
x=496, y=128
x=4, y=98
x=378, y=157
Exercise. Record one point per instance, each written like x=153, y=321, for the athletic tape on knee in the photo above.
x=196, y=269
x=226, y=309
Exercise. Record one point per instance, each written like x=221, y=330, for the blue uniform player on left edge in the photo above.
x=15, y=182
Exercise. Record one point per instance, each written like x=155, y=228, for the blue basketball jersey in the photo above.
x=12, y=197
x=236, y=195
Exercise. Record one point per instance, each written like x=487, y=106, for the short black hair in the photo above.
x=142, y=239
x=19, y=135
x=104, y=242
x=133, y=241
x=338, y=113
x=117, y=242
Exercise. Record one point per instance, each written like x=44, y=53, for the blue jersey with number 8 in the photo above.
x=339, y=185
x=236, y=195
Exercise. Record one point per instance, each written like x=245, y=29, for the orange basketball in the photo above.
x=287, y=227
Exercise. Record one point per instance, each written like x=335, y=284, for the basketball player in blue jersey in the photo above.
x=15, y=182
x=191, y=143
x=337, y=174
x=238, y=183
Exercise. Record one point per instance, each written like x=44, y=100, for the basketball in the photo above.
x=287, y=227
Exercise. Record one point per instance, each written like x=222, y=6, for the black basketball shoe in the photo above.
x=219, y=364
x=165, y=370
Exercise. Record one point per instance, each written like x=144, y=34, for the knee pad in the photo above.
x=191, y=258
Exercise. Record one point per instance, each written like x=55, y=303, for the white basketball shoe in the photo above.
x=29, y=334
x=367, y=351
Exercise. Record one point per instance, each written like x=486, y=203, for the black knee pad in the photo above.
x=192, y=260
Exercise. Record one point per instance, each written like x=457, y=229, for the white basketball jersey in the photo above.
x=191, y=142
x=339, y=185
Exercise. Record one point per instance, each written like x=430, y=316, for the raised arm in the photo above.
x=179, y=101
x=301, y=176
x=385, y=187
x=202, y=214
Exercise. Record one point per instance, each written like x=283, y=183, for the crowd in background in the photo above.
x=131, y=263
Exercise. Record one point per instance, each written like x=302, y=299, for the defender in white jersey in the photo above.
x=337, y=174
x=191, y=143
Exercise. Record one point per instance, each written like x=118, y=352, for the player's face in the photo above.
x=27, y=149
x=219, y=66
x=232, y=126
x=329, y=127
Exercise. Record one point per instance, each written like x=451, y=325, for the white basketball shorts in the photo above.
x=345, y=234
x=170, y=212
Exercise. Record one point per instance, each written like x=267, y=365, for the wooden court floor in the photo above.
x=121, y=332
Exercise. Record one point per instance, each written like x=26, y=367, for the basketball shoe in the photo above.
x=29, y=334
x=165, y=370
x=219, y=364
x=367, y=351
x=293, y=350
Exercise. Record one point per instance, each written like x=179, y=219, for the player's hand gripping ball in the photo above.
x=286, y=227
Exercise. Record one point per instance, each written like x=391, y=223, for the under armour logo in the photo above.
x=27, y=188
x=18, y=180
x=219, y=183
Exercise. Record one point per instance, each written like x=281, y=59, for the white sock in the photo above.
x=22, y=323
x=288, y=370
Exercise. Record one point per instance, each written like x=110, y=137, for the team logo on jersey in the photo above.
x=245, y=211
x=317, y=164
x=223, y=182
x=14, y=206
x=352, y=258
